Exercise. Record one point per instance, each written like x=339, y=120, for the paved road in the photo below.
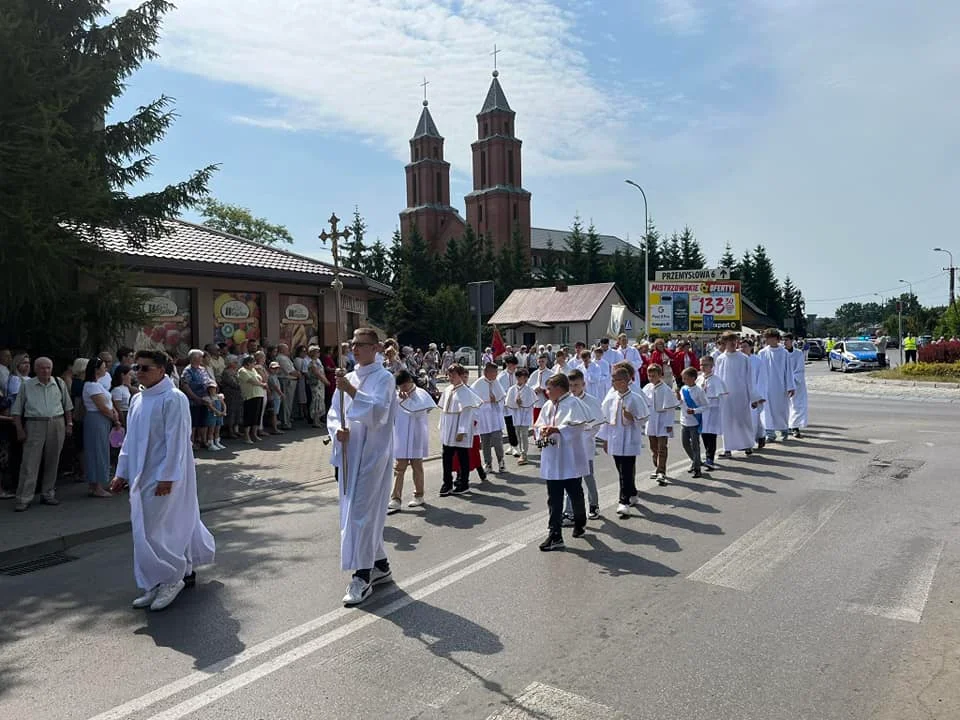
x=815, y=580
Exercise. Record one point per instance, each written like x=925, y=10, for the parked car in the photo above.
x=816, y=349
x=853, y=355
x=466, y=356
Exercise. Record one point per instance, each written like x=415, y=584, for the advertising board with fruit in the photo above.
x=169, y=328
x=299, y=322
x=236, y=317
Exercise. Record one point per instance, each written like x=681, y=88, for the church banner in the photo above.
x=707, y=306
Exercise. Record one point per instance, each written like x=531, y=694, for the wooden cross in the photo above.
x=424, y=86
x=495, y=53
x=334, y=236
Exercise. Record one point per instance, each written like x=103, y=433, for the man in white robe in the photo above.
x=156, y=461
x=781, y=385
x=630, y=354
x=760, y=385
x=490, y=416
x=625, y=413
x=733, y=368
x=611, y=355
x=363, y=435
x=798, y=403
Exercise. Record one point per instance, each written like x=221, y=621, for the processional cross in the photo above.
x=334, y=236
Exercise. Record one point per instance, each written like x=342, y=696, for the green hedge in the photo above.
x=944, y=370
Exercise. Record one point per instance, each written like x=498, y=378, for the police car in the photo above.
x=853, y=355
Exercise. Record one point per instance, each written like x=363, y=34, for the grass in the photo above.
x=922, y=372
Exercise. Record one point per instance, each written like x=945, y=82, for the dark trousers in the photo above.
x=463, y=458
x=511, y=431
x=709, y=445
x=627, y=471
x=882, y=359
x=555, y=491
x=910, y=356
x=690, y=437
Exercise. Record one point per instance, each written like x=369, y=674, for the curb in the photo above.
x=62, y=543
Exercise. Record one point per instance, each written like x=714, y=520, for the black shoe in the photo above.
x=594, y=513
x=460, y=489
x=697, y=474
x=691, y=469
x=748, y=451
x=727, y=453
x=579, y=532
x=662, y=481
x=796, y=432
x=552, y=543
x=445, y=490
x=761, y=443
x=190, y=580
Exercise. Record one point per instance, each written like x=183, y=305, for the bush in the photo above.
x=949, y=371
x=946, y=352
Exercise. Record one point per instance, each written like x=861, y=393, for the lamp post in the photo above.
x=646, y=261
x=952, y=270
x=900, y=317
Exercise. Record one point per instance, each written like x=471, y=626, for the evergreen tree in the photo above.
x=506, y=279
x=672, y=259
x=574, y=265
x=376, y=265
x=764, y=285
x=551, y=270
x=691, y=255
x=592, y=247
x=521, y=256
x=456, y=266
x=420, y=263
x=652, y=246
x=744, y=271
x=395, y=256
x=798, y=310
x=66, y=175
x=727, y=260
x=354, y=250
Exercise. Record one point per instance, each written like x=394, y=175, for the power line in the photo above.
x=876, y=292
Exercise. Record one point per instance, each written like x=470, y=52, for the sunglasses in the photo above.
x=144, y=368
x=361, y=344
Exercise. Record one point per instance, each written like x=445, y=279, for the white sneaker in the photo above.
x=416, y=502
x=357, y=591
x=378, y=576
x=145, y=600
x=220, y=445
x=653, y=475
x=515, y=452
x=394, y=504
x=623, y=510
x=635, y=501
x=166, y=594
x=488, y=468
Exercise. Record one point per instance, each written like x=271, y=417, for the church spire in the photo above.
x=426, y=127
x=496, y=100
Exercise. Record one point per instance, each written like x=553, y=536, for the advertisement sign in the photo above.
x=236, y=317
x=694, y=306
x=702, y=274
x=299, y=320
x=169, y=329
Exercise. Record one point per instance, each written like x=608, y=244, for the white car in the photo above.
x=465, y=356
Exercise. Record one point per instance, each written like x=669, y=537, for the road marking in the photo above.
x=195, y=678
x=746, y=562
x=241, y=680
x=879, y=441
x=913, y=598
x=539, y=701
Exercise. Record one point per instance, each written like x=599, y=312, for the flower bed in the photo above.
x=946, y=352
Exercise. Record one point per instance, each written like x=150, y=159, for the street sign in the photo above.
x=627, y=325
x=481, y=297
x=702, y=274
x=694, y=306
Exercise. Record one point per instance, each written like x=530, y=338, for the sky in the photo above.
x=826, y=130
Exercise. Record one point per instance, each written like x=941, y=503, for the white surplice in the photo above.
x=612, y=356
x=594, y=382
x=411, y=431
x=595, y=412
x=458, y=406
x=370, y=416
x=632, y=356
x=712, y=417
x=798, y=403
x=538, y=381
x=169, y=540
x=663, y=403
x=490, y=415
x=759, y=371
x=507, y=380
x=735, y=370
x=624, y=436
x=780, y=381
x=519, y=402
x=564, y=457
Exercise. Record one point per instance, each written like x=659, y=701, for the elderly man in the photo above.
x=215, y=361
x=288, y=383
x=43, y=415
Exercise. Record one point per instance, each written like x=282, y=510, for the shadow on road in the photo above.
x=682, y=523
x=616, y=563
x=701, y=488
x=448, y=517
x=678, y=502
x=401, y=541
x=629, y=536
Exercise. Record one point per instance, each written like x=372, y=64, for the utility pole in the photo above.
x=952, y=270
x=646, y=262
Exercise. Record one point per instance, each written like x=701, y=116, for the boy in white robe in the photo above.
x=490, y=416
x=601, y=389
x=693, y=403
x=798, y=403
x=625, y=413
x=411, y=438
x=538, y=382
x=156, y=462
x=563, y=461
x=711, y=419
x=592, y=377
x=630, y=354
x=507, y=379
x=611, y=355
x=363, y=457
x=759, y=372
x=578, y=390
x=781, y=386
x=734, y=369
x=519, y=401
x=458, y=405
x=663, y=404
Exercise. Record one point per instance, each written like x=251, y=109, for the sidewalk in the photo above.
x=241, y=473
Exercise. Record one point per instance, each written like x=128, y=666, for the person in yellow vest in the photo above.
x=910, y=348
x=830, y=344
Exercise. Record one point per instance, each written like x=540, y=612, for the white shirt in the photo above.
x=458, y=404
x=519, y=403
x=121, y=397
x=89, y=390
x=490, y=415
x=538, y=382
x=105, y=382
x=662, y=403
x=700, y=401
x=411, y=432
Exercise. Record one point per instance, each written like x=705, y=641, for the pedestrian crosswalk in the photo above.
x=539, y=701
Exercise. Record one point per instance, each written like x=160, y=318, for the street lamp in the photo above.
x=646, y=261
x=910, y=284
x=952, y=270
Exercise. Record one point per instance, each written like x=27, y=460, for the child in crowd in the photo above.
x=216, y=412
x=538, y=381
x=519, y=401
x=274, y=397
x=490, y=416
x=507, y=379
x=411, y=438
x=458, y=404
x=662, y=404
x=710, y=418
x=693, y=403
x=578, y=390
x=624, y=412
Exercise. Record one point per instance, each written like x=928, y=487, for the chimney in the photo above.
x=561, y=286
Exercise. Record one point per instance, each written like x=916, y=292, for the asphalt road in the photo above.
x=816, y=579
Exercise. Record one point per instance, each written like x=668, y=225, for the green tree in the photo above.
x=240, y=221
x=672, y=258
x=355, y=252
x=744, y=271
x=948, y=325
x=574, y=266
x=66, y=175
x=764, y=285
x=456, y=264
x=551, y=270
x=592, y=247
x=395, y=256
x=376, y=265
x=449, y=316
x=727, y=260
x=521, y=256
x=691, y=255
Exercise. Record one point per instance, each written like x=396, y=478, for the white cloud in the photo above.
x=336, y=65
x=682, y=16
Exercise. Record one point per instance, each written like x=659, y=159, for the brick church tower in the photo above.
x=498, y=202
x=428, y=189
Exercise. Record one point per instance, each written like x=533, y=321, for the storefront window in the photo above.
x=236, y=317
x=300, y=320
x=170, y=328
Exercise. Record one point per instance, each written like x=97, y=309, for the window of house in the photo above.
x=510, y=167
x=483, y=169
x=563, y=334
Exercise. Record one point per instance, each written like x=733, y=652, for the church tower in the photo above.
x=428, y=189
x=498, y=202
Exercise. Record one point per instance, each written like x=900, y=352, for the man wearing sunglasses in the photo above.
x=360, y=420
x=156, y=461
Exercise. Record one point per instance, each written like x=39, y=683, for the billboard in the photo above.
x=300, y=320
x=169, y=329
x=236, y=317
x=693, y=306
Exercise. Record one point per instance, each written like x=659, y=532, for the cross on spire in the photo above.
x=424, y=86
x=495, y=53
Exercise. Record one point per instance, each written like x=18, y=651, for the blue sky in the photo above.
x=826, y=130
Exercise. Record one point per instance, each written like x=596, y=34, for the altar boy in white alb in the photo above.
x=519, y=403
x=457, y=407
x=411, y=438
x=798, y=403
x=363, y=443
x=156, y=461
x=490, y=416
x=559, y=431
x=781, y=385
x=625, y=413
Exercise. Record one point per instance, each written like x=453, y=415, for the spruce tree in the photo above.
x=521, y=256
x=592, y=247
x=551, y=270
x=764, y=285
x=376, y=265
x=691, y=255
x=744, y=271
x=395, y=256
x=574, y=265
x=727, y=260
x=672, y=259
x=66, y=175
x=652, y=243
x=354, y=249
